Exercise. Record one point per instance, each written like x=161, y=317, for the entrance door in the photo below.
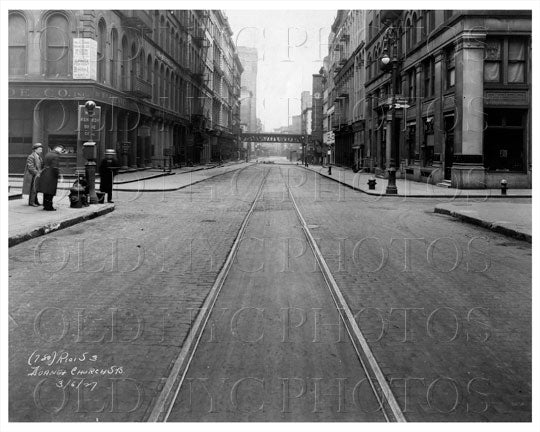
x=448, y=146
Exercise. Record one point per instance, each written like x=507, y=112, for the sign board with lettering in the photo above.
x=84, y=58
x=89, y=125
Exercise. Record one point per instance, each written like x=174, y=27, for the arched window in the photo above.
x=162, y=31
x=156, y=82
x=149, y=69
x=167, y=101
x=376, y=61
x=101, y=44
x=58, y=41
x=414, y=30
x=17, y=44
x=134, y=66
x=368, y=66
x=408, y=35
x=161, y=85
x=168, y=39
x=124, y=64
x=141, y=65
x=114, y=58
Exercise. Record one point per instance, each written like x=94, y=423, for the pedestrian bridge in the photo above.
x=272, y=137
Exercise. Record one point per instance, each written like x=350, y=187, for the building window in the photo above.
x=102, y=36
x=430, y=18
x=414, y=31
x=450, y=67
x=57, y=40
x=114, y=57
x=370, y=30
x=408, y=35
x=492, y=60
x=504, y=142
x=411, y=79
x=429, y=77
x=420, y=29
x=516, y=60
x=17, y=44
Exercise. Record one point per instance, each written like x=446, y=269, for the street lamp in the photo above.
x=389, y=59
x=89, y=152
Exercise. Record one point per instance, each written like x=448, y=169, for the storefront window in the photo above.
x=504, y=139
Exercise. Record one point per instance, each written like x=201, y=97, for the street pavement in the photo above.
x=444, y=306
x=27, y=222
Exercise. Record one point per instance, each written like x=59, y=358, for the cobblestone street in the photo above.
x=99, y=312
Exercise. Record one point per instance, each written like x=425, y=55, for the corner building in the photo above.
x=152, y=83
x=466, y=77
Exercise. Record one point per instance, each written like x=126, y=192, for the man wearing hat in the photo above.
x=48, y=180
x=108, y=168
x=33, y=167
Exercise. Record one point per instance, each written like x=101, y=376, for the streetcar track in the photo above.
x=362, y=351
x=169, y=392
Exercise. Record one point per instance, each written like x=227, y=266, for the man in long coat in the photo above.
x=48, y=180
x=108, y=168
x=33, y=167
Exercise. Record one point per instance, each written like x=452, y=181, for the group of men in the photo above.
x=41, y=174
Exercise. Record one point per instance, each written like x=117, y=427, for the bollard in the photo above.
x=330, y=170
x=504, y=186
x=371, y=183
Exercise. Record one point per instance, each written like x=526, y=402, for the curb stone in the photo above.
x=493, y=226
x=55, y=226
x=380, y=194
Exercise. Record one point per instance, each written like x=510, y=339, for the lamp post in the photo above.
x=389, y=60
x=89, y=152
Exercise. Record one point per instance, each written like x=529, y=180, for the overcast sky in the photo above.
x=291, y=45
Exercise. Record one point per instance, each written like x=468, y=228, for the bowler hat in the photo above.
x=37, y=145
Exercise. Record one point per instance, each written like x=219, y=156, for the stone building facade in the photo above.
x=463, y=116
x=153, y=81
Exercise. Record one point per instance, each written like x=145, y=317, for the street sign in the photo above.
x=398, y=106
x=89, y=125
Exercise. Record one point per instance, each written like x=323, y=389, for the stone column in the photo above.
x=37, y=124
x=133, y=139
x=124, y=160
x=438, y=123
x=468, y=169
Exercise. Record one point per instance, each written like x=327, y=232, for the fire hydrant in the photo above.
x=78, y=193
x=371, y=183
x=329, y=169
x=504, y=186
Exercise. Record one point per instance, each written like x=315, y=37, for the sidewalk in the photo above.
x=512, y=219
x=15, y=183
x=27, y=222
x=409, y=188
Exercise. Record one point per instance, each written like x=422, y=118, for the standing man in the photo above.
x=108, y=168
x=48, y=180
x=34, y=163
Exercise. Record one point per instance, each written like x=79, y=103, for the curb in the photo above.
x=493, y=226
x=15, y=196
x=46, y=229
x=416, y=195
